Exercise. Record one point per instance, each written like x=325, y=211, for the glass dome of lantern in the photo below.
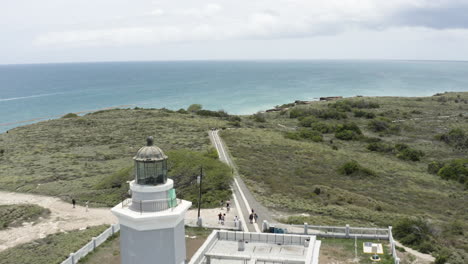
x=150, y=165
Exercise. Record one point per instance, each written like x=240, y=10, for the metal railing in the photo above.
x=228, y=225
x=143, y=206
x=336, y=231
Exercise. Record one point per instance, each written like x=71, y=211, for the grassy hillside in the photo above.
x=361, y=161
x=90, y=157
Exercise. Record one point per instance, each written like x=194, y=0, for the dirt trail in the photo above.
x=421, y=257
x=62, y=218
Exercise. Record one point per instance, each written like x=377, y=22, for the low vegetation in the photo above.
x=353, y=168
x=52, y=249
x=16, y=214
x=89, y=158
x=327, y=177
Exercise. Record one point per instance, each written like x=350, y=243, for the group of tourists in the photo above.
x=86, y=204
x=253, y=217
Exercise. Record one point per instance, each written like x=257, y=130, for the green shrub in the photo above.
x=354, y=168
x=415, y=233
x=70, y=115
x=360, y=113
x=348, y=131
x=410, y=154
x=304, y=133
x=455, y=137
x=234, y=118
x=259, y=117
x=342, y=106
x=456, y=170
x=361, y=104
x=220, y=113
x=331, y=114
x=380, y=147
x=182, y=111
x=307, y=121
x=194, y=108
x=442, y=256
x=301, y=111
x=323, y=127
x=434, y=167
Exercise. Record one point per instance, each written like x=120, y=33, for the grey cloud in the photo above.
x=444, y=15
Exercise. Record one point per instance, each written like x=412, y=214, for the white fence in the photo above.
x=92, y=245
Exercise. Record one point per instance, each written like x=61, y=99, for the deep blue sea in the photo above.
x=45, y=91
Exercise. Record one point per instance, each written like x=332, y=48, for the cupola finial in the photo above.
x=149, y=141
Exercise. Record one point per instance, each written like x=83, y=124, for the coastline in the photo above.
x=4, y=127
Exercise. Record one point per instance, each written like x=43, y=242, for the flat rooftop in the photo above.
x=222, y=247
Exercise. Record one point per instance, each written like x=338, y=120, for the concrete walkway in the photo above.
x=247, y=202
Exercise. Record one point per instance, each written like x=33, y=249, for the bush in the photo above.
x=304, y=133
x=380, y=147
x=322, y=127
x=301, y=111
x=342, y=106
x=434, y=167
x=360, y=113
x=361, y=104
x=414, y=233
x=259, y=117
x=219, y=113
x=331, y=114
x=354, y=168
x=182, y=111
x=307, y=121
x=410, y=154
x=194, y=108
x=456, y=170
x=348, y=131
x=70, y=115
x=379, y=125
x=455, y=137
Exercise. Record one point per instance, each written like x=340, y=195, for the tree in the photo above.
x=194, y=108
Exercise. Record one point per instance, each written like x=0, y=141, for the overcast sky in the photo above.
x=40, y=31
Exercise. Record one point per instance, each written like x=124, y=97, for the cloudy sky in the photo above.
x=33, y=31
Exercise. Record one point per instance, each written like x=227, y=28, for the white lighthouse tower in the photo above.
x=152, y=224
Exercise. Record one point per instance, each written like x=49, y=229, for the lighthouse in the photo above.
x=152, y=222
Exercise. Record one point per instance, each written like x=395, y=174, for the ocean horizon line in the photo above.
x=233, y=60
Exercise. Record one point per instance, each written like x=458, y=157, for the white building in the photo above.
x=152, y=223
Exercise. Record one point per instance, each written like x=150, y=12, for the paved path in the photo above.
x=62, y=218
x=247, y=202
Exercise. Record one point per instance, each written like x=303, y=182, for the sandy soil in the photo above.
x=62, y=218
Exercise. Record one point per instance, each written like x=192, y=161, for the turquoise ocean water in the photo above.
x=30, y=93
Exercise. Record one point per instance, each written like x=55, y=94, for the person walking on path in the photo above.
x=251, y=218
x=73, y=202
x=87, y=205
x=255, y=217
x=222, y=219
x=236, y=221
x=220, y=215
x=228, y=205
x=222, y=204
